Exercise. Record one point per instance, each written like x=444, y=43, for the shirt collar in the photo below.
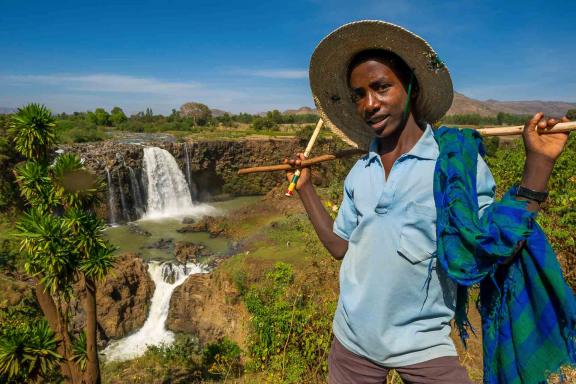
x=426, y=147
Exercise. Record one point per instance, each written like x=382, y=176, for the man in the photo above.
x=379, y=87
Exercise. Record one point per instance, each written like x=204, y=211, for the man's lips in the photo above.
x=377, y=123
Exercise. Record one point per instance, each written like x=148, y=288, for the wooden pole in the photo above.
x=489, y=131
x=305, y=163
x=517, y=130
x=306, y=154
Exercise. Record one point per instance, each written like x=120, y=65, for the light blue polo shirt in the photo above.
x=389, y=310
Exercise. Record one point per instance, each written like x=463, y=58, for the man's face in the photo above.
x=379, y=95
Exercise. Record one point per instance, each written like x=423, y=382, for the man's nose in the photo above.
x=372, y=103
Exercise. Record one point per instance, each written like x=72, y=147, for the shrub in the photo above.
x=290, y=328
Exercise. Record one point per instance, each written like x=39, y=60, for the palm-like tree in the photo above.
x=33, y=126
x=61, y=238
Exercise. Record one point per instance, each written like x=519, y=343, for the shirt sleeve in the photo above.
x=485, y=186
x=347, y=218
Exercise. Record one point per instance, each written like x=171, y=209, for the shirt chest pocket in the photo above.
x=418, y=234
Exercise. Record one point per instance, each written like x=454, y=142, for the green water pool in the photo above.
x=127, y=241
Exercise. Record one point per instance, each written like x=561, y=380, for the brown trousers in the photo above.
x=345, y=367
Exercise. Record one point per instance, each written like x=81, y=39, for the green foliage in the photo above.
x=79, y=354
x=491, y=145
x=68, y=131
x=99, y=117
x=184, y=361
x=117, y=116
x=33, y=130
x=27, y=352
x=571, y=114
x=291, y=331
x=35, y=185
x=222, y=359
x=8, y=157
x=510, y=119
x=264, y=124
x=60, y=237
x=305, y=132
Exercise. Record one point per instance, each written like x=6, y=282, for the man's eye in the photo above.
x=382, y=87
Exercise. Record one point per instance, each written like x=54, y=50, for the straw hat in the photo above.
x=329, y=71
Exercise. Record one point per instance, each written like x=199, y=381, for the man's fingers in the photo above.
x=565, y=119
x=534, y=120
x=550, y=123
x=542, y=124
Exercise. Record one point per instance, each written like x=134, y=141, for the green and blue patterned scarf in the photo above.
x=528, y=311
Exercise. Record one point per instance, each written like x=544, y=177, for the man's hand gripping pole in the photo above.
x=292, y=185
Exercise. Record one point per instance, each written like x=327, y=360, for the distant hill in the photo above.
x=300, y=111
x=466, y=105
x=218, y=112
x=5, y=110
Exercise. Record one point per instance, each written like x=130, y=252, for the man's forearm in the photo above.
x=536, y=175
x=322, y=222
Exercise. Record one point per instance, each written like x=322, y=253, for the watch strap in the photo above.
x=540, y=197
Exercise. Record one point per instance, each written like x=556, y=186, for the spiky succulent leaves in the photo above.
x=79, y=354
x=96, y=253
x=28, y=352
x=33, y=129
x=51, y=255
x=75, y=186
x=35, y=186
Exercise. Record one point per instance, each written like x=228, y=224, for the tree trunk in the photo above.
x=92, y=373
x=58, y=326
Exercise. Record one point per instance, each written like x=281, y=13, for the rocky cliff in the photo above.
x=211, y=165
x=208, y=306
x=123, y=298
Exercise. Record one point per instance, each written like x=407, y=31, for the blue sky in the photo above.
x=253, y=55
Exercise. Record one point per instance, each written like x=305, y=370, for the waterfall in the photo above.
x=166, y=277
x=137, y=199
x=125, y=213
x=188, y=177
x=168, y=193
x=111, y=199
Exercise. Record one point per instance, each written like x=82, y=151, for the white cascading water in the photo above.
x=167, y=277
x=168, y=193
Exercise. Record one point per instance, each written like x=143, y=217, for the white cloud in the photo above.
x=274, y=73
x=105, y=83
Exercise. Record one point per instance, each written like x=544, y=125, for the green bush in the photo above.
x=222, y=359
x=290, y=328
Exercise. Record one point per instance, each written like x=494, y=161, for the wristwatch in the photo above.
x=527, y=193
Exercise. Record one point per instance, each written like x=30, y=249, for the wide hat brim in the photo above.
x=329, y=71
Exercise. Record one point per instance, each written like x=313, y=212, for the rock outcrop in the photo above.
x=208, y=307
x=123, y=298
x=213, y=226
x=188, y=252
